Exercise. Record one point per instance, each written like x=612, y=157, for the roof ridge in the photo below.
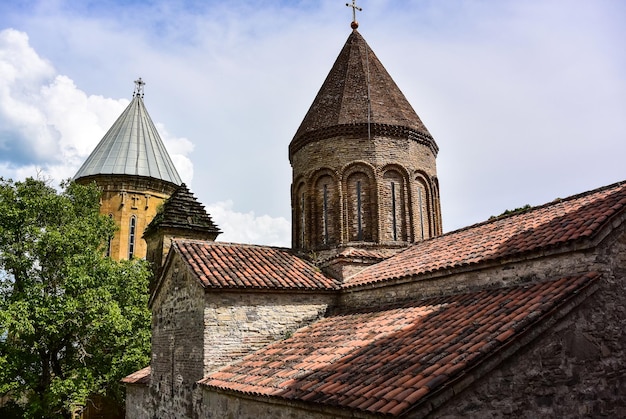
x=234, y=244
x=555, y=201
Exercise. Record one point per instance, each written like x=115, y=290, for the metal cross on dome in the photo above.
x=139, y=84
x=354, y=23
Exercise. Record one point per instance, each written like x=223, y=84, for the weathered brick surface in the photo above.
x=138, y=402
x=344, y=165
x=177, y=343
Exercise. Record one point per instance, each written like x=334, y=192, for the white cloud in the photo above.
x=248, y=227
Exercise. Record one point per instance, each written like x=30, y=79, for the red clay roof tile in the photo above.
x=240, y=266
x=138, y=377
x=561, y=221
x=397, y=345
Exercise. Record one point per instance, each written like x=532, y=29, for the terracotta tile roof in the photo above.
x=240, y=266
x=362, y=253
x=388, y=360
x=341, y=107
x=138, y=377
x=540, y=228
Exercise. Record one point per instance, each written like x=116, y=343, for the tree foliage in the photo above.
x=72, y=321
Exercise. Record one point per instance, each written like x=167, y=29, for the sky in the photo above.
x=525, y=99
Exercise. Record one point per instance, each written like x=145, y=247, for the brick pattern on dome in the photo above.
x=343, y=98
x=183, y=211
x=386, y=361
x=240, y=266
x=554, y=224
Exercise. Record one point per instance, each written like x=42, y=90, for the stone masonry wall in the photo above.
x=500, y=274
x=225, y=406
x=237, y=323
x=138, y=405
x=375, y=163
x=575, y=369
x=177, y=342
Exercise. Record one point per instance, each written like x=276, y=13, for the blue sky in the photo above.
x=526, y=99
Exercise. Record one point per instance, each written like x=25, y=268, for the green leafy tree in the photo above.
x=72, y=321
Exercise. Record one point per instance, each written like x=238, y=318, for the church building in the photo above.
x=374, y=312
x=135, y=173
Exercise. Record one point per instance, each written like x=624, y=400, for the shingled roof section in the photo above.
x=183, y=211
x=548, y=226
x=389, y=360
x=341, y=106
x=239, y=266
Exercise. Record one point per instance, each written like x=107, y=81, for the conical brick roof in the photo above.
x=341, y=106
x=132, y=146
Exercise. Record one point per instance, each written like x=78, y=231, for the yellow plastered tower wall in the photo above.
x=135, y=173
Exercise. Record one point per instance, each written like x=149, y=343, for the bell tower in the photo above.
x=364, y=180
x=135, y=173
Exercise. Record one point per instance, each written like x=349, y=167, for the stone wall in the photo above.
x=498, y=274
x=138, y=404
x=177, y=342
x=237, y=323
x=226, y=406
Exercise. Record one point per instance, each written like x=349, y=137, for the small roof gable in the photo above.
x=545, y=227
x=132, y=146
x=240, y=266
x=342, y=101
x=182, y=211
x=138, y=377
x=387, y=361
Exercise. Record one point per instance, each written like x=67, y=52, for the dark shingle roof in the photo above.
x=183, y=211
x=548, y=226
x=341, y=105
x=388, y=360
x=239, y=266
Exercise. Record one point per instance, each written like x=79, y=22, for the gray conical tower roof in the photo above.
x=132, y=146
x=341, y=106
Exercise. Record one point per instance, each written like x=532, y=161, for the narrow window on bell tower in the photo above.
x=394, y=221
x=420, y=204
x=302, y=219
x=108, y=254
x=359, y=211
x=325, y=214
x=131, y=236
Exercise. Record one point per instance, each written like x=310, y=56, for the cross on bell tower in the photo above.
x=139, y=84
x=354, y=23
